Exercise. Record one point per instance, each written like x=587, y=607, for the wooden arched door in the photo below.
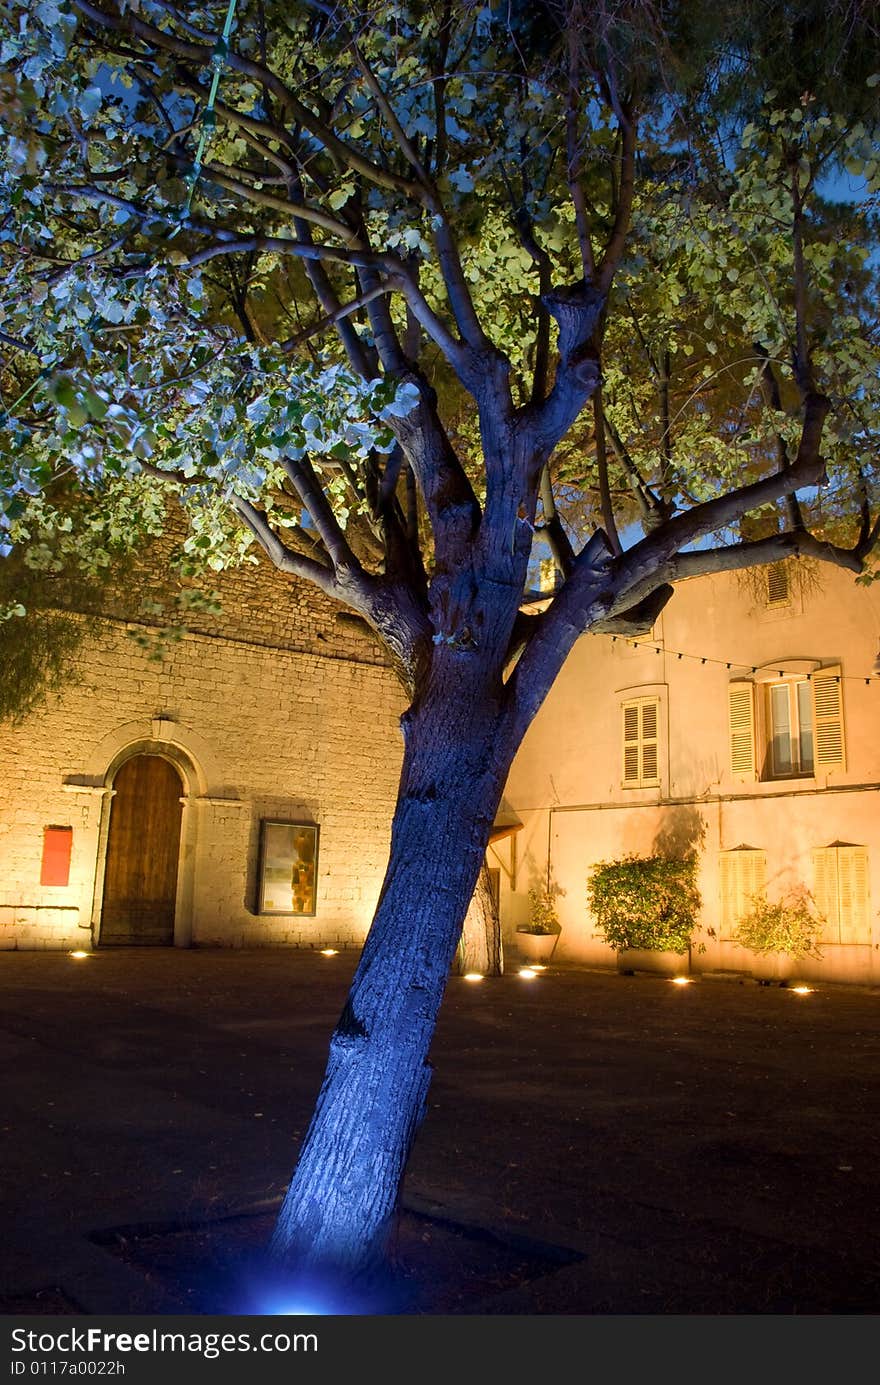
x=143, y=848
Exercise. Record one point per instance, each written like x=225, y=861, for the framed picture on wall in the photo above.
x=288, y=867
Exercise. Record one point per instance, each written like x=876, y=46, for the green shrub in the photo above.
x=790, y=924
x=645, y=902
x=542, y=915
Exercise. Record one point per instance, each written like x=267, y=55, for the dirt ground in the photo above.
x=595, y=1144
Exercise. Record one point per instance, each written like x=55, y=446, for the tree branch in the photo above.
x=803, y=366
x=402, y=140
x=773, y=400
x=541, y=260
x=301, y=475
x=601, y=587
x=602, y=464
x=222, y=176
x=773, y=549
x=335, y=317
x=573, y=160
x=553, y=530
x=654, y=510
x=577, y=311
x=362, y=359
x=201, y=54
x=807, y=469
x=283, y=557
x=625, y=193
x=457, y=290
x=451, y=505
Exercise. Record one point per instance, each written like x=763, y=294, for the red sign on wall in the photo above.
x=57, y=843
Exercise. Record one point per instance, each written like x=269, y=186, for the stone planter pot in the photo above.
x=536, y=947
x=633, y=959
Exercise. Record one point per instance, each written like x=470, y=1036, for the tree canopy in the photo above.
x=252, y=262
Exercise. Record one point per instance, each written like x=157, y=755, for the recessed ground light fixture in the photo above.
x=681, y=980
x=528, y=973
x=802, y=990
x=79, y=953
x=473, y=976
x=329, y=952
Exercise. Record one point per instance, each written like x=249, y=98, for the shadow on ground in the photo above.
x=595, y=1144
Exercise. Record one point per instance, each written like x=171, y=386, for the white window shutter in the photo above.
x=852, y=863
x=743, y=876
x=840, y=890
x=631, y=743
x=728, y=894
x=825, y=891
x=827, y=686
x=741, y=710
x=754, y=870
x=650, y=764
x=641, y=743
x=650, y=743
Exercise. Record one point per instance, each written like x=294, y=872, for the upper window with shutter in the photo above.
x=840, y=890
x=794, y=729
x=641, y=743
x=805, y=725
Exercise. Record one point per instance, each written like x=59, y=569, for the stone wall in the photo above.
x=275, y=710
x=258, y=604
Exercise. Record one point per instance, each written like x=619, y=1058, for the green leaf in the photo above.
x=339, y=196
x=96, y=406
x=63, y=391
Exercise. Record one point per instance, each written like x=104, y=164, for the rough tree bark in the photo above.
x=341, y=1202
x=479, y=948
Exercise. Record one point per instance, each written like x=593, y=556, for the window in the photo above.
x=793, y=729
x=743, y=875
x=790, y=728
x=778, y=585
x=840, y=889
x=641, y=745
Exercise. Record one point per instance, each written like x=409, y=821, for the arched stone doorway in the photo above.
x=143, y=854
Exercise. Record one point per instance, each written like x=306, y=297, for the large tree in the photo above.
x=415, y=297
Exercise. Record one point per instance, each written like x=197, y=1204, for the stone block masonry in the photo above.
x=262, y=722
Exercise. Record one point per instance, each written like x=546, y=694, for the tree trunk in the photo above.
x=340, y=1206
x=479, y=947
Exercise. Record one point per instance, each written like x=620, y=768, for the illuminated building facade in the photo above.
x=743, y=726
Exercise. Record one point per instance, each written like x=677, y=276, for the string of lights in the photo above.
x=730, y=664
x=209, y=115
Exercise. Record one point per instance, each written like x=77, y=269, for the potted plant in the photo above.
x=781, y=933
x=646, y=908
x=537, y=939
